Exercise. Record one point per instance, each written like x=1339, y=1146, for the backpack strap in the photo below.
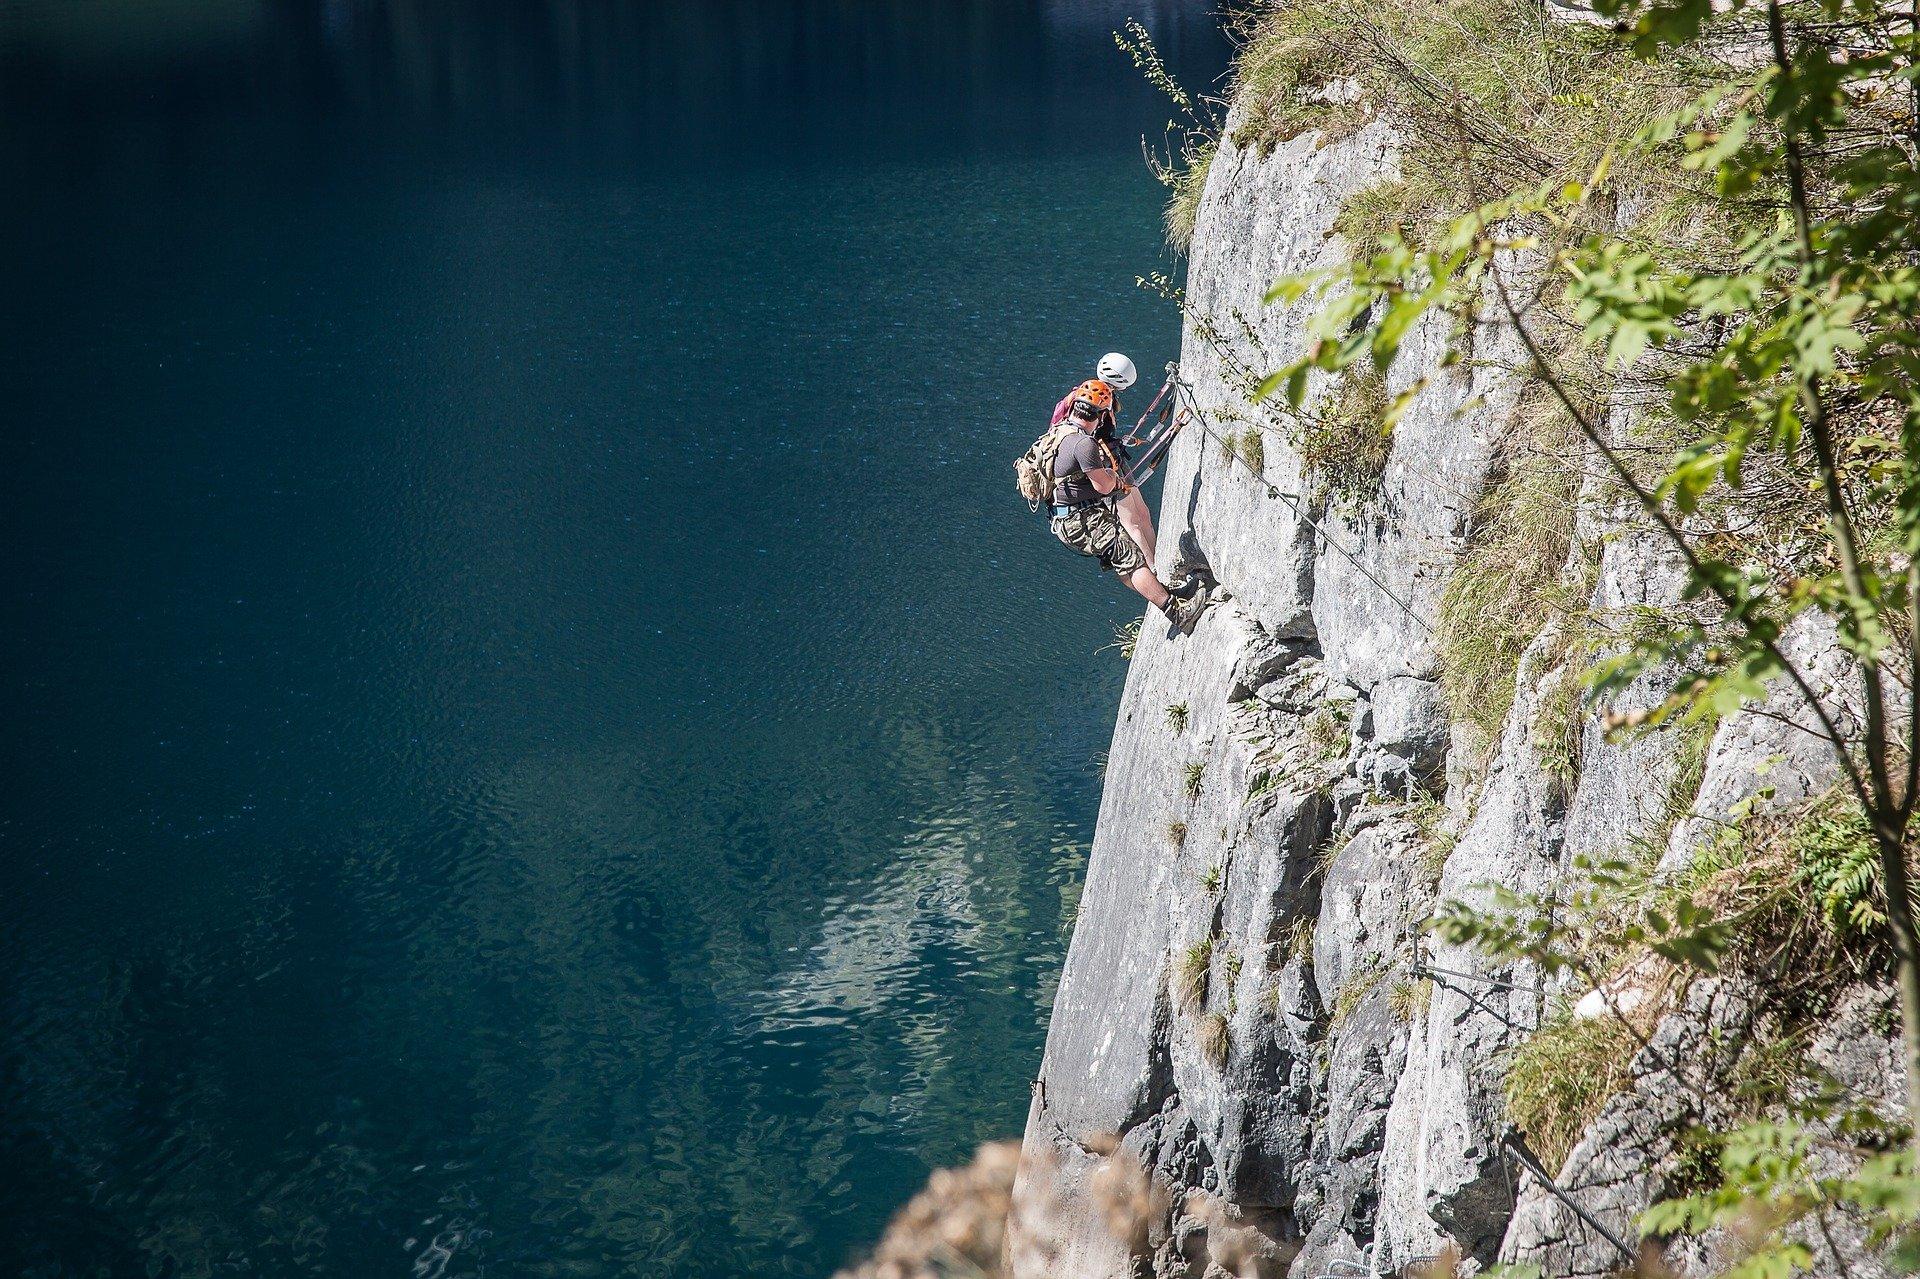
x=1121, y=487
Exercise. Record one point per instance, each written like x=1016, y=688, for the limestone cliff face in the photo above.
x=1239, y=1008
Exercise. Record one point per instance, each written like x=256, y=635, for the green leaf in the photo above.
x=1289, y=289
x=1297, y=386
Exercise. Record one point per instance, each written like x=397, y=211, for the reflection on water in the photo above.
x=545, y=745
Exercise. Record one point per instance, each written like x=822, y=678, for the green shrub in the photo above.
x=1177, y=717
x=1839, y=863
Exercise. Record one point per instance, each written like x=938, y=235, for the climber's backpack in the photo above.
x=1033, y=470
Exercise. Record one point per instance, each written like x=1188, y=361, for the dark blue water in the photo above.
x=540, y=738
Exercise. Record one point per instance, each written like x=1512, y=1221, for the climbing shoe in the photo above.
x=1185, y=613
x=1189, y=572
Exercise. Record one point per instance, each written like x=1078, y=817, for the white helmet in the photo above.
x=1116, y=370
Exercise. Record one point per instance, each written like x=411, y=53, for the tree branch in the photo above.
x=1651, y=505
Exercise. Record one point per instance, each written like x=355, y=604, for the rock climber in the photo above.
x=1088, y=498
x=1117, y=371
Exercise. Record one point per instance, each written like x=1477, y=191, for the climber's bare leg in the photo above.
x=1137, y=522
x=1148, y=586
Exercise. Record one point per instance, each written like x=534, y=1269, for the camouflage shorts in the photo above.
x=1095, y=530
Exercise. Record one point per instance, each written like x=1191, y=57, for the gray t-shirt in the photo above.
x=1079, y=453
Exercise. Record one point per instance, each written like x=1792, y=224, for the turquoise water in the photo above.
x=542, y=740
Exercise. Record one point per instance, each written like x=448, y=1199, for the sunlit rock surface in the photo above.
x=1250, y=1010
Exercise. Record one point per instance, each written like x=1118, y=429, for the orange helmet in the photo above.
x=1096, y=393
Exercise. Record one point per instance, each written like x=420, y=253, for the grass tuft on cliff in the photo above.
x=1353, y=992
x=1558, y=1080
x=1186, y=183
x=1215, y=1039
x=1191, y=973
x=1510, y=584
x=1409, y=998
x=1300, y=939
x=1345, y=445
x=1192, y=778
